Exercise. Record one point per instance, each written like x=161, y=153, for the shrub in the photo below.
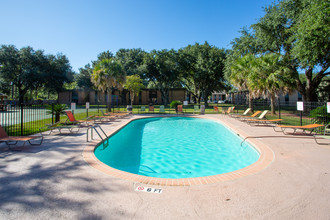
x=58, y=110
x=175, y=103
x=320, y=115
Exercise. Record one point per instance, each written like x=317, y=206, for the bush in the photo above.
x=175, y=103
x=320, y=114
x=57, y=110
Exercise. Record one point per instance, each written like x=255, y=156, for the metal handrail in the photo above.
x=94, y=127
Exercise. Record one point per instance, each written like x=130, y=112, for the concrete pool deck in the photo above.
x=53, y=181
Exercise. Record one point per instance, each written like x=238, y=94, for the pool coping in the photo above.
x=267, y=156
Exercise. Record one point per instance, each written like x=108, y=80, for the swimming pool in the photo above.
x=175, y=147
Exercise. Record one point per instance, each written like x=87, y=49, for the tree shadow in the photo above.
x=45, y=179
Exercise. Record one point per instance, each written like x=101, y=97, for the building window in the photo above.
x=286, y=98
x=299, y=97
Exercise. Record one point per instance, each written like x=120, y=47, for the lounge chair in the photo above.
x=161, y=109
x=13, y=140
x=244, y=117
x=254, y=120
x=216, y=109
x=82, y=123
x=143, y=109
x=196, y=109
x=295, y=128
x=151, y=108
x=118, y=115
x=325, y=136
x=244, y=113
x=56, y=126
x=264, y=121
x=230, y=110
x=179, y=109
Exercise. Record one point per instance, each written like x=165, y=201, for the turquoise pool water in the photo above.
x=177, y=147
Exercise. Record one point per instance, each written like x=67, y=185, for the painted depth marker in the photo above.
x=148, y=189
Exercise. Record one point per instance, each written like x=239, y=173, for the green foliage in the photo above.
x=131, y=60
x=56, y=110
x=108, y=74
x=298, y=30
x=320, y=114
x=160, y=67
x=30, y=70
x=134, y=85
x=83, y=78
x=312, y=44
x=202, y=69
x=175, y=103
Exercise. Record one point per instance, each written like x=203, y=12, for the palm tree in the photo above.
x=107, y=75
x=270, y=78
x=241, y=70
x=134, y=84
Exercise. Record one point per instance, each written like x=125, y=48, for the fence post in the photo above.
x=22, y=127
x=53, y=113
x=279, y=108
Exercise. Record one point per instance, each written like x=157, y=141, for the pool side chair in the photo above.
x=82, y=123
x=216, y=109
x=151, y=109
x=244, y=113
x=312, y=127
x=57, y=126
x=230, y=110
x=105, y=114
x=143, y=109
x=325, y=136
x=196, y=109
x=227, y=111
x=261, y=117
x=113, y=115
x=180, y=109
x=13, y=140
x=161, y=109
x=264, y=121
x=101, y=119
x=244, y=117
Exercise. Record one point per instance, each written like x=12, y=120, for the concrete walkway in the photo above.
x=53, y=181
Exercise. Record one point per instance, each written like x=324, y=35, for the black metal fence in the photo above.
x=313, y=112
x=24, y=119
x=27, y=119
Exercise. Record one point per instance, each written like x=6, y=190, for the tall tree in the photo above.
x=134, y=85
x=83, y=78
x=298, y=30
x=160, y=67
x=270, y=78
x=240, y=75
x=203, y=65
x=57, y=72
x=29, y=70
x=131, y=60
x=107, y=75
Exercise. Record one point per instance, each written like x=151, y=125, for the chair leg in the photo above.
x=37, y=144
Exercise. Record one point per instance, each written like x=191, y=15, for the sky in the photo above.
x=81, y=29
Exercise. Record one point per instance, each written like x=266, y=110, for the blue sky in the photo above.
x=83, y=29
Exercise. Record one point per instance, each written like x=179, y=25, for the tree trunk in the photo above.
x=123, y=96
x=132, y=97
x=250, y=102
x=109, y=100
x=272, y=103
x=57, y=116
x=205, y=97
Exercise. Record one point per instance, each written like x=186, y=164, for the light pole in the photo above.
x=12, y=90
